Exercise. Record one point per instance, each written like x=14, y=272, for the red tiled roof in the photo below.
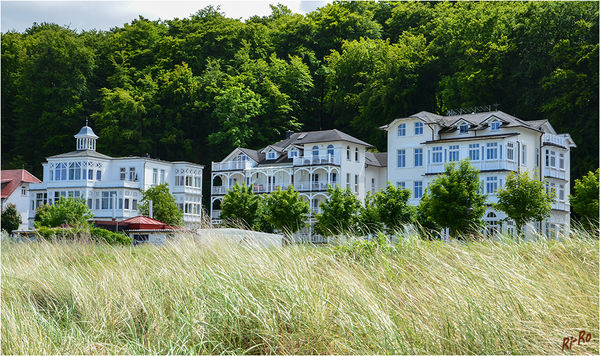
x=12, y=178
x=144, y=222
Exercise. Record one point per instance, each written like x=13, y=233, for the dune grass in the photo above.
x=189, y=298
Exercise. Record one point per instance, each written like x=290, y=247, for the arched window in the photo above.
x=495, y=125
x=492, y=222
x=330, y=150
x=348, y=153
x=356, y=154
x=315, y=150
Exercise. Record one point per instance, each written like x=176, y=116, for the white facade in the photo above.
x=496, y=143
x=111, y=186
x=15, y=190
x=310, y=161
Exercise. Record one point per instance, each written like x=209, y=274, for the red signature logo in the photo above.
x=583, y=338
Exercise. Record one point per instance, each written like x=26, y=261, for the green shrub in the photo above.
x=112, y=238
x=81, y=233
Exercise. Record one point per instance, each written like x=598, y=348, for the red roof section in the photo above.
x=12, y=178
x=143, y=222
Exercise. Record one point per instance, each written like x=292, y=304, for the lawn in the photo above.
x=419, y=297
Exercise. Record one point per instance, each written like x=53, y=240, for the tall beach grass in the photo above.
x=421, y=297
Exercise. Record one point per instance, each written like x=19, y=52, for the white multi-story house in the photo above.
x=496, y=143
x=310, y=161
x=112, y=186
x=15, y=190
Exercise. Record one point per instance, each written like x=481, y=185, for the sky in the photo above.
x=104, y=15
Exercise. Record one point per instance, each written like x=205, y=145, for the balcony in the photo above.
x=317, y=160
x=220, y=190
x=215, y=215
x=230, y=166
x=561, y=206
x=555, y=173
x=557, y=140
x=436, y=168
x=313, y=186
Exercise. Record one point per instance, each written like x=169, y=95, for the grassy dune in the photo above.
x=422, y=297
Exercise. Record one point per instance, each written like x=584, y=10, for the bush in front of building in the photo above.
x=83, y=233
x=585, y=199
x=11, y=219
x=65, y=211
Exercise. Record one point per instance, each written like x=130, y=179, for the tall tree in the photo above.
x=286, y=211
x=524, y=199
x=339, y=212
x=164, y=206
x=453, y=199
x=585, y=198
x=240, y=206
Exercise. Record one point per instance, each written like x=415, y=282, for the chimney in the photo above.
x=288, y=134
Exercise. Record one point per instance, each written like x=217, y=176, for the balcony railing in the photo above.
x=215, y=214
x=479, y=165
x=220, y=190
x=554, y=139
x=312, y=186
x=555, y=173
x=560, y=206
x=230, y=166
x=317, y=160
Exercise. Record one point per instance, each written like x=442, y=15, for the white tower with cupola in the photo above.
x=86, y=139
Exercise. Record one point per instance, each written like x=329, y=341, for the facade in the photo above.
x=496, y=143
x=15, y=190
x=112, y=186
x=310, y=161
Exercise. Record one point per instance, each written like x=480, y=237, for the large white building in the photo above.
x=15, y=190
x=112, y=186
x=496, y=143
x=310, y=161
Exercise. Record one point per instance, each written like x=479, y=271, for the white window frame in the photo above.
x=418, y=188
x=436, y=151
x=495, y=125
x=474, y=152
x=418, y=157
x=401, y=158
x=401, y=130
x=463, y=128
x=453, y=153
x=418, y=128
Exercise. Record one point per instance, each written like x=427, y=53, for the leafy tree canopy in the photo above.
x=523, y=199
x=11, y=219
x=286, y=211
x=240, y=206
x=65, y=211
x=164, y=207
x=585, y=198
x=453, y=199
x=339, y=212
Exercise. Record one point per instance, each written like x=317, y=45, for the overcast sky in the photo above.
x=103, y=15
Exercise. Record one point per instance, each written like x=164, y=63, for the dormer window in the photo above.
x=293, y=153
x=463, y=128
x=271, y=155
x=495, y=125
x=330, y=150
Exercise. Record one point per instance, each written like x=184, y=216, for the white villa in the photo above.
x=496, y=143
x=310, y=161
x=112, y=186
x=15, y=190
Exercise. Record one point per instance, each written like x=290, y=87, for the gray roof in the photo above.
x=477, y=120
x=82, y=153
x=300, y=138
x=376, y=159
x=86, y=131
x=296, y=139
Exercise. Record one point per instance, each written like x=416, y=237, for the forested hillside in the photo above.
x=195, y=88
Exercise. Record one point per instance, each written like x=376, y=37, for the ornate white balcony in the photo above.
x=230, y=166
x=555, y=173
x=555, y=140
x=317, y=160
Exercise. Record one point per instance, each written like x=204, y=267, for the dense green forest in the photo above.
x=195, y=88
